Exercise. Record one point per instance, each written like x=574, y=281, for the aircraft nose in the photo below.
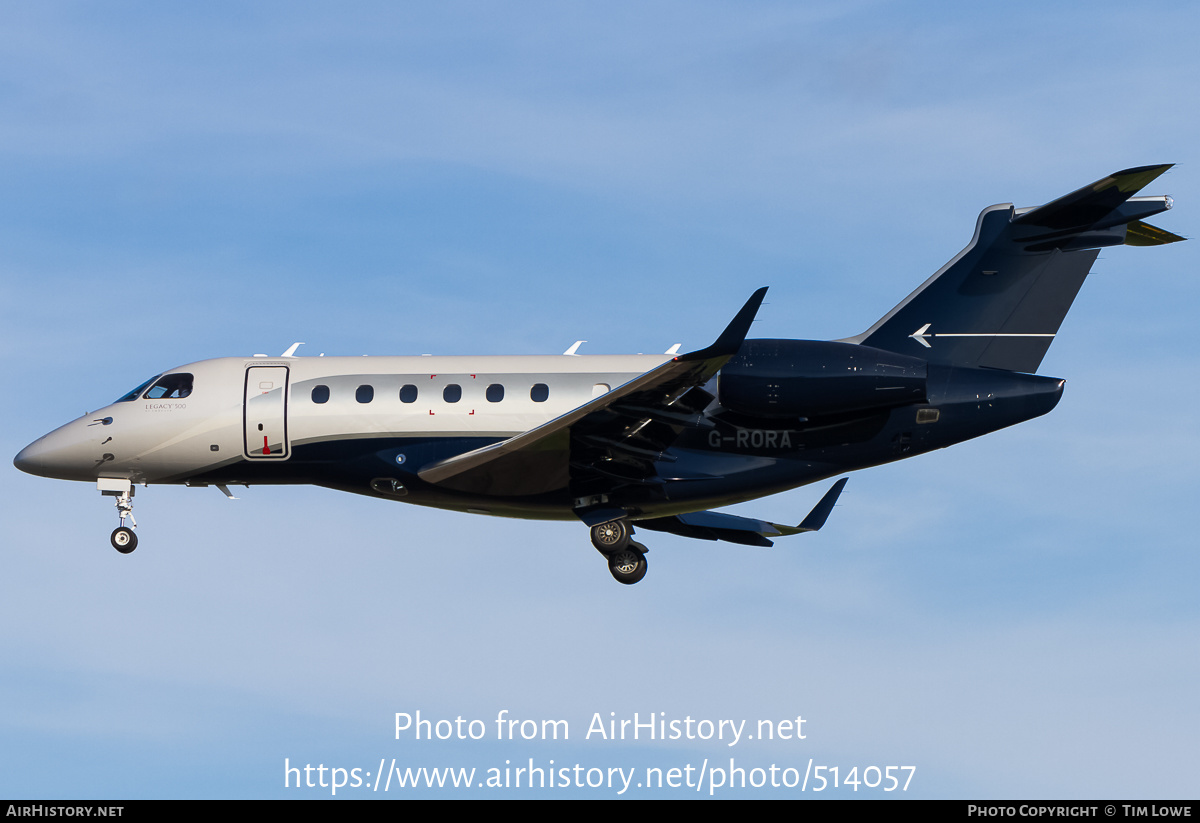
x=26, y=459
x=61, y=454
x=40, y=457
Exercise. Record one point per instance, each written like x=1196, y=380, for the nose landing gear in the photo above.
x=123, y=539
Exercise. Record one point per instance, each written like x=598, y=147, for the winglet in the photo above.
x=731, y=339
x=820, y=513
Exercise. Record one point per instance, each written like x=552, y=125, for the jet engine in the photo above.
x=808, y=378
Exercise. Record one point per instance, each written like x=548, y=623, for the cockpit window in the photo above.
x=171, y=387
x=136, y=393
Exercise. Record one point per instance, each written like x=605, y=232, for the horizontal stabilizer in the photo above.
x=744, y=530
x=1143, y=234
x=1090, y=205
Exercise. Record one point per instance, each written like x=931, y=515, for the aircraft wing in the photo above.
x=629, y=427
x=744, y=530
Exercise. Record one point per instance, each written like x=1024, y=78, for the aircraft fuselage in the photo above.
x=359, y=423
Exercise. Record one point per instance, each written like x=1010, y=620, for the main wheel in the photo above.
x=612, y=536
x=627, y=566
x=123, y=540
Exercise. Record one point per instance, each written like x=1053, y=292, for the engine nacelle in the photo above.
x=809, y=378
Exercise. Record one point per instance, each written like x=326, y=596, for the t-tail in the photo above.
x=999, y=303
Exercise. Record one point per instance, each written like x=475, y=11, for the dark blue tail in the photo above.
x=1001, y=300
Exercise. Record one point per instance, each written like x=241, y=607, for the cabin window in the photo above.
x=320, y=394
x=136, y=393
x=539, y=393
x=364, y=394
x=495, y=393
x=408, y=393
x=452, y=393
x=170, y=387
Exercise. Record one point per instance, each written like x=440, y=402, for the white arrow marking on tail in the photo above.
x=919, y=335
x=922, y=335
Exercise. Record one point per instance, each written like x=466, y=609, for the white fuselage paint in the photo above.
x=170, y=440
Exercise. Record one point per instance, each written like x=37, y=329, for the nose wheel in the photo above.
x=123, y=539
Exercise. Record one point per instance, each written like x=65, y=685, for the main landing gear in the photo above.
x=123, y=539
x=626, y=557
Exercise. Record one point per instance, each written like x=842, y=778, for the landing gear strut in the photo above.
x=123, y=539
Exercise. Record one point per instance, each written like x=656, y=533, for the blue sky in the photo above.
x=1016, y=616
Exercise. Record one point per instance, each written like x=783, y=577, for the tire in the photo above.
x=627, y=566
x=611, y=537
x=123, y=540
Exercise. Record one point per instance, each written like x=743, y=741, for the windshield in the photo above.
x=166, y=386
x=171, y=387
x=136, y=393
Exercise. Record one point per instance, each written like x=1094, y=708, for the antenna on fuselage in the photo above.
x=575, y=347
x=291, y=352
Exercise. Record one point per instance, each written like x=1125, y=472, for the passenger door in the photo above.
x=265, y=413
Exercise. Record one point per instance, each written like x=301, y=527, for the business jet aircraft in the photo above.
x=619, y=441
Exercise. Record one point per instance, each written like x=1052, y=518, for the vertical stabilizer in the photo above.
x=1000, y=301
